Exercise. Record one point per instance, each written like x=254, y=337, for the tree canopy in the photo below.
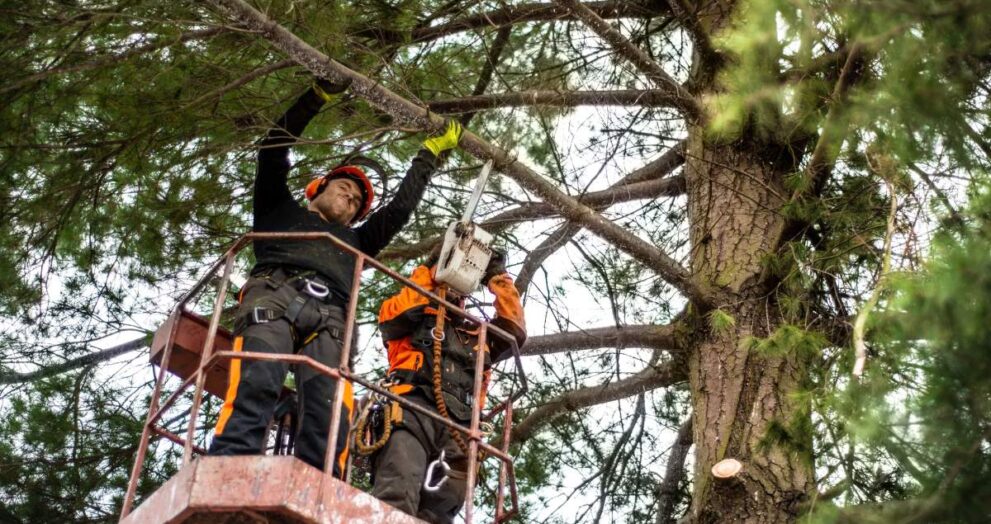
x=712, y=209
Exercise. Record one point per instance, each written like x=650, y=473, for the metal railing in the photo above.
x=208, y=359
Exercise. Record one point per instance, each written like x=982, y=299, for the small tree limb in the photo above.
x=660, y=337
x=538, y=255
x=512, y=15
x=76, y=363
x=683, y=100
x=653, y=377
x=251, y=75
x=622, y=97
x=674, y=475
x=642, y=190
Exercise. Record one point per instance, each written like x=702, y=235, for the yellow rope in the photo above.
x=361, y=427
x=438, y=378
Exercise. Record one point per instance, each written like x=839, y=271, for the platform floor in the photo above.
x=258, y=490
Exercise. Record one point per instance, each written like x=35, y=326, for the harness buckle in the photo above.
x=445, y=468
x=316, y=289
x=259, y=319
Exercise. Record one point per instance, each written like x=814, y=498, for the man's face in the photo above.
x=339, y=202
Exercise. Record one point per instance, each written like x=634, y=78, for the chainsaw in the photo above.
x=465, y=253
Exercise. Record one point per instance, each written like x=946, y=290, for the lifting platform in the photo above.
x=279, y=488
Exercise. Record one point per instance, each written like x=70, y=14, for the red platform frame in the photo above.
x=179, y=344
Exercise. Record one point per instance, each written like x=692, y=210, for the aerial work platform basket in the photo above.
x=273, y=487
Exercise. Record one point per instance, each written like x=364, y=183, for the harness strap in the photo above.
x=264, y=315
x=295, y=307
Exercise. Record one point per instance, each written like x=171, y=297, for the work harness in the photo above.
x=309, y=287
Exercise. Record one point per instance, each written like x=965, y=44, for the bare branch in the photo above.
x=409, y=114
x=516, y=14
x=653, y=377
x=662, y=166
x=538, y=255
x=76, y=363
x=661, y=337
x=834, y=129
x=257, y=73
x=623, y=97
x=642, y=190
x=485, y=77
x=674, y=475
x=636, y=56
x=690, y=21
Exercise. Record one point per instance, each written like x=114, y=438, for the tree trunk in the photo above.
x=743, y=400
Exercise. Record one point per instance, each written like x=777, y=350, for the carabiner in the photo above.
x=428, y=479
x=316, y=289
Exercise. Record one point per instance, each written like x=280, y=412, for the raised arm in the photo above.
x=382, y=226
x=271, y=188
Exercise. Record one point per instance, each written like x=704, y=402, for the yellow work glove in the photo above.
x=446, y=142
x=326, y=89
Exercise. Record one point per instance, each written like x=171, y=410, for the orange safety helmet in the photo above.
x=354, y=173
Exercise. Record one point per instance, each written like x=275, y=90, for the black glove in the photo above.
x=497, y=266
x=326, y=89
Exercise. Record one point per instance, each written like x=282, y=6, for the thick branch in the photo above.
x=637, y=57
x=639, y=336
x=76, y=363
x=674, y=475
x=516, y=14
x=658, y=376
x=408, y=114
x=623, y=97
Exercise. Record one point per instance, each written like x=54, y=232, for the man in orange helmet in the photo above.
x=408, y=322
x=294, y=301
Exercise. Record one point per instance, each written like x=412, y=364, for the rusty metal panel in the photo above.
x=189, y=339
x=260, y=489
x=168, y=502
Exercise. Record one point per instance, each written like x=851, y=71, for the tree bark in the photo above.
x=742, y=398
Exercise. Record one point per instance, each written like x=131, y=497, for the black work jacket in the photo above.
x=275, y=209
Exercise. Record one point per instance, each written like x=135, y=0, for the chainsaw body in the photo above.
x=463, y=257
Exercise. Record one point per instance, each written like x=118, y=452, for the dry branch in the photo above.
x=76, y=363
x=636, y=56
x=623, y=97
x=512, y=15
x=661, y=337
x=539, y=254
x=653, y=377
x=674, y=475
